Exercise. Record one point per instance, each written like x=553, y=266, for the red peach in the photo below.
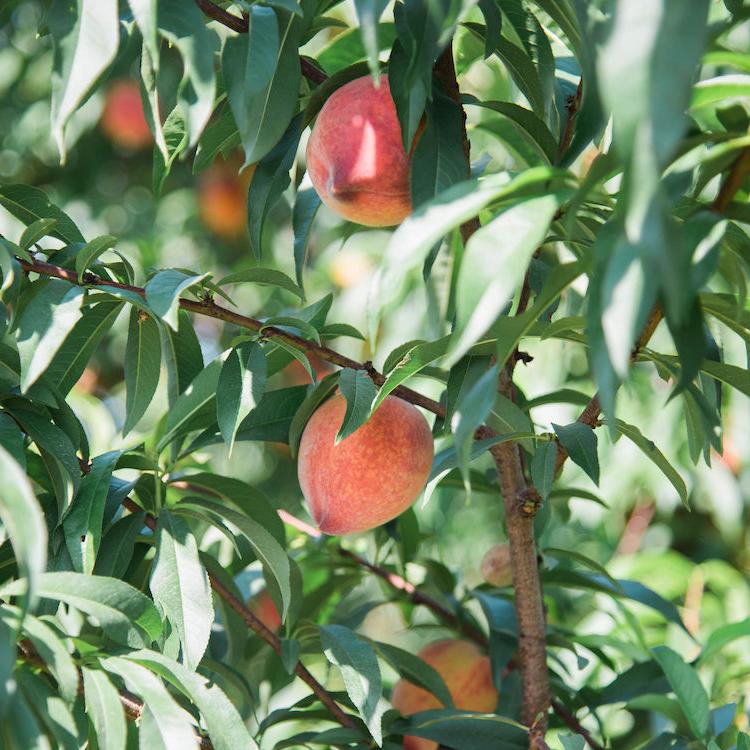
x=496, y=566
x=467, y=675
x=264, y=608
x=123, y=121
x=356, y=158
x=222, y=199
x=371, y=476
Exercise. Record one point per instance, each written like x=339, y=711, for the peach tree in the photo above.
x=431, y=431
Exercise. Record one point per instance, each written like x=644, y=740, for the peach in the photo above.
x=264, y=608
x=356, y=158
x=371, y=476
x=123, y=121
x=496, y=566
x=222, y=199
x=296, y=374
x=467, y=675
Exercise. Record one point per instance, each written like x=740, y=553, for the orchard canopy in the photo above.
x=374, y=374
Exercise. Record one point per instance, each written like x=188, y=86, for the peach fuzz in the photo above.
x=123, y=121
x=371, y=476
x=222, y=199
x=496, y=566
x=264, y=608
x=467, y=675
x=356, y=158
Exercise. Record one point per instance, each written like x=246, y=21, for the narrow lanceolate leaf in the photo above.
x=242, y=382
x=46, y=320
x=92, y=250
x=359, y=391
x=359, y=668
x=225, y=726
x=175, y=135
x=502, y=249
x=687, y=686
x=144, y=12
x=34, y=232
x=28, y=204
x=124, y=613
x=306, y=205
x=470, y=412
x=262, y=74
x=86, y=36
x=543, y=468
x=368, y=15
x=142, y=366
x=172, y=724
x=83, y=524
x=580, y=442
x=182, y=355
x=163, y=292
x=654, y=454
x=180, y=586
x=264, y=276
x=23, y=520
x=104, y=709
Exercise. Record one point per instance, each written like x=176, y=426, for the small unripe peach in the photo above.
x=496, y=566
x=123, y=121
x=264, y=608
x=371, y=476
x=356, y=158
x=222, y=199
x=467, y=675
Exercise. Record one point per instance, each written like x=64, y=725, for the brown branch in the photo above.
x=573, y=105
x=267, y=635
x=573, y=723
x=737, y=174
x=241, y=26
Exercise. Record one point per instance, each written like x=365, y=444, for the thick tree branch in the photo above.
x=240, y=25
x=267, y=635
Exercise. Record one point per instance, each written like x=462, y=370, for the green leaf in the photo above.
x=86, y=37
x=359, y=391
x=80, y=344
x=411, y=362
x=543, y=468
x=530, y=127
x=145, y=15
x=175, y=135
x=91, y=251
x=220, y=137
x=104, y=709
x=688, y=688
x=198, y=394
x=29, y=204
x=23, y=521
x=185, y=29
x=470, y=412
x=142, y=366
x=262, y=74
x=580, y=443
x=180, y=586
x=125, y=614
x=163, y=292
x=502, y=249
x=51, y=710
x=46, y=320
x=273, y=556
x=306, y=205
x=320, y=393
x=116, y=550
x=83, y=524
x=506, y=416
x=172, y=724
x=656, y=456
x=265, y=276
x=720, y=90
x=34, y=232
x=225, y=726
x=182, y=355
x=359, y=668
x=368, y=15
x=724, y=635
x=242, y=382
x=416, y=670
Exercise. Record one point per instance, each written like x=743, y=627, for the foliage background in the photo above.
x=695, y=558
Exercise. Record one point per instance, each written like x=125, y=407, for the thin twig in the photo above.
x=267, y=635
x=573, y=723
x=573, y=105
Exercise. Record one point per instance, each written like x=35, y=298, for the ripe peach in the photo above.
x=496, y=566
x=264, y=608
x=371, y=476
x=467, y=675
x=356, y=158
x=296, y=374
x=123, y=121
x=222, y=199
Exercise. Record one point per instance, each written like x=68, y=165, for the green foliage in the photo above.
x=149, y=422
